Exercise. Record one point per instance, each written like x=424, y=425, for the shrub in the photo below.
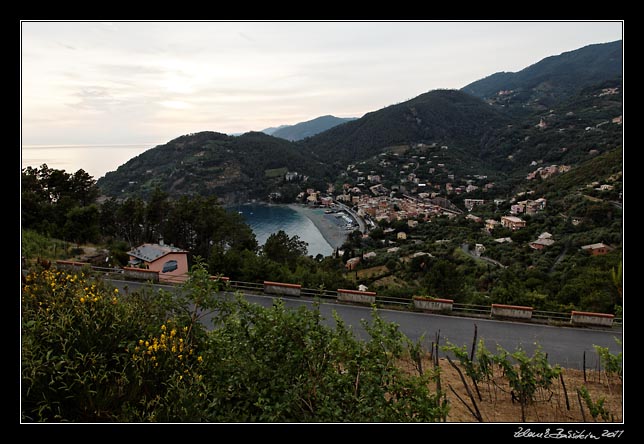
x=91, y=354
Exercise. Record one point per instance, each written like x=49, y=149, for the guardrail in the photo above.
x=458, y=309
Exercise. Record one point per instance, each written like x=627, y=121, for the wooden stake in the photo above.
x=464, y=403
x=581, y=407
x=585, y=366
x=474, y=343
x=478, y=415
x=438, y=374
x=565, y=391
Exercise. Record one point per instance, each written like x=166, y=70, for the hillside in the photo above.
x=584, y=125
x=441, y=116
x=553, y=78
x=207, y=163
x=471, y=136
x=309, y=128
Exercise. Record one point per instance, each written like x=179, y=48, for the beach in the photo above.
x=331, y=228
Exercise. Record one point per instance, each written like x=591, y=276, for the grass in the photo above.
x=275, y=172
x=369, y=273
x=35, y=245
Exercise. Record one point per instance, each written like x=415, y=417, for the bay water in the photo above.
x=265, y=220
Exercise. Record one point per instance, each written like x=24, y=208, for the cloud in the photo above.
x=103, y=81
x=175, y=104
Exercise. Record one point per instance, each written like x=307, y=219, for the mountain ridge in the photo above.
x=495, y=134
x=552, y=78
x=309, y=128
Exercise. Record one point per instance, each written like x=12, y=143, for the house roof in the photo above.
x=512, y=219
x=152, y=252
x=543, y=241
x=594, y=246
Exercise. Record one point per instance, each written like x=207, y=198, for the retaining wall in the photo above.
x=430, y=304
x=511, y=311
x=282, y=288
x=141, y=274
x=361, y=297
x=587, y=318
x=72, y=265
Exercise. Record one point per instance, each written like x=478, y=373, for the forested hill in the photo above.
x=575, y=130
x=309, y=128
x=562, y=110
x=553, y=78
x=210, y=163
x=440, y=116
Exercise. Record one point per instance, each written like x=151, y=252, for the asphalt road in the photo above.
x=564, y=345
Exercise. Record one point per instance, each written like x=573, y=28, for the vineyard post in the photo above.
x=565, y=391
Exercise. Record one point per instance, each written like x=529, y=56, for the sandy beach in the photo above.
x=331, y=227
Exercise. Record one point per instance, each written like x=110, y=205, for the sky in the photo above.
x=92, y=83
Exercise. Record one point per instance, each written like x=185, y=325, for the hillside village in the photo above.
x=417, y=208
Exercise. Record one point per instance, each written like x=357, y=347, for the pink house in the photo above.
x=170, y=262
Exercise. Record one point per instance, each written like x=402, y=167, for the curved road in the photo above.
x=564, y=345
x=358, y=219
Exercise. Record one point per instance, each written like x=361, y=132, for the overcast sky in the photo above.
x=134, y=82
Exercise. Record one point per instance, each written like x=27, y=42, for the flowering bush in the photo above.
x=78, y=362
x=92, y=354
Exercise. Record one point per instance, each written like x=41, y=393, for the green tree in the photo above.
x=49, y=194
x=156, y=213
x=282, y=248
x=443, y=279
x=82, y=224
x=130, y=218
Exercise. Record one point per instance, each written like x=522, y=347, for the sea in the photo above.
x=265, y=220
x=95, y=160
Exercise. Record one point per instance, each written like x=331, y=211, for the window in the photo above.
x=169, y=266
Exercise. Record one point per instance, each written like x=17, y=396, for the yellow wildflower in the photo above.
x=116, y=290
x=82, y=300
x=199, y=359
x=162, y=328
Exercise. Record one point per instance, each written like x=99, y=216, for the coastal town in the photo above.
x=405, y=186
